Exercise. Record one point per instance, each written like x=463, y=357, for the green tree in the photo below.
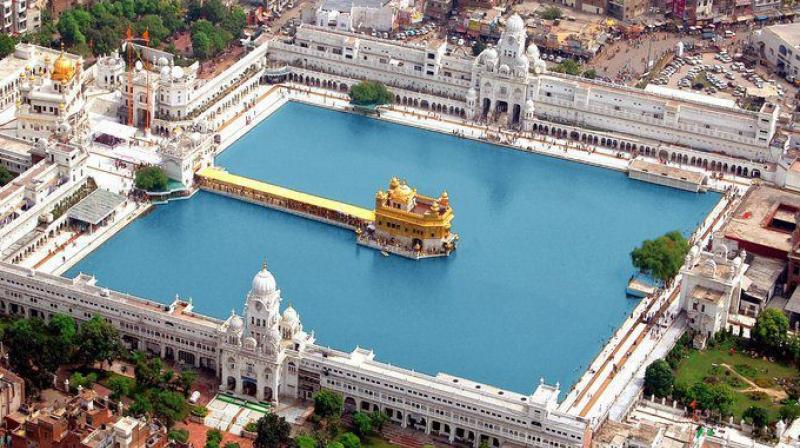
x=99, y=341
x=769, y=333
x=141, y=406
x=334, y=445
x=663, y=257
x=328, y=404
x=214, y=435
x=723, y=399
x=350, y=440
x=179, y=435
x=271, y=431
x=658, y=378
x=62, y=334
x=568, y=66
x=362, y=423
x=148, y=371
x=552, y=13
x=201, y=45
x=758, y=416
x=155, y=28
x=151, y=178
x=187, y=378
x=370, y=93
x=169, y=406
x=789, y=412
x=305, y=441
x=120, y=386
x=379, y=420
x=231, y=445
x=7, y=44
x=590, y=73
x=26, y=342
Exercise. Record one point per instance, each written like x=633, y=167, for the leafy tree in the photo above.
x=201, y=45
x=179, y=435
x=304, y=441
x=789, y=412
x=26, y=341
x=213, y=436
x=155, y=28
x=151, y=178
x=758, y=416
x=663, y=257
x=590, y=73
x=568, y=66
x=77, y=380
x=141, y=406
x=7, y=44
x=658, y=378
x=328, y=404
x=187, y=378
x=120, y=386
x=334, y=445
x=370, y=93
x=271, y=431
x=350, y=440
x=148, y=371
x=552, y=13
x=169, y=406
x=62, y=334
x=98, y=340
x=362, y=423
x=231, y=445
x=379, y=420
x=769, y=333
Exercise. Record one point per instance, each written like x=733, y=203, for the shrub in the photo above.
x=305, y=441
x=350, y=440
x=250, y=427
x=178, y=435
x=199, y=411
x=789, y=412
x=756, y=395
x=745, y=370
x=370, y=93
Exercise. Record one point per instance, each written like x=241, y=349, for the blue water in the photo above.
x=536, y=285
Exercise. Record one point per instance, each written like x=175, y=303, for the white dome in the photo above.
x=250, y=343
x=489, y=54
x=515, y=24
x=177, y=73
x=532, y=52
x=290, y=316
x=162, y=61
x=263, y=283
x=235, y=323
x=165, y=73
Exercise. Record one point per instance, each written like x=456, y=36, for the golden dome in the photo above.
x=63, y=68
x=394, y=183
x=402, y=193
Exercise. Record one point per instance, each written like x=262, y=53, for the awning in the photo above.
x=96, y=207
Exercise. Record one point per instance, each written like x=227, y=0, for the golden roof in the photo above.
x=63, y=68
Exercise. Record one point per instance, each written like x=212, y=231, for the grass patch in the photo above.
x=706, y=366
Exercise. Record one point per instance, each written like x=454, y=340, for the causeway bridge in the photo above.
x=219, y=181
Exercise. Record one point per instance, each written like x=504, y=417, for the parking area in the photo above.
x=717, y=74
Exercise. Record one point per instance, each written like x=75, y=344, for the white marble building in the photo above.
x=508, y=84
x=711, y=290
x=266, y=355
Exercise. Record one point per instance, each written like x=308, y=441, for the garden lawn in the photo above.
x=700, y=365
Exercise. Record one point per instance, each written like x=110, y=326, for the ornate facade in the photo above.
x=508, y=84
x=266, y=355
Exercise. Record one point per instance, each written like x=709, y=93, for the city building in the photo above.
x=51, y=101
x=351, y=15
x=267, y=355
x=509, y=85
x=779, y=46
x=12, y=393
x=626, y=9
x=21, y=16
x=710, y=290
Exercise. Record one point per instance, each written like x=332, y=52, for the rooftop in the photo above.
x=707, y=294
x=96, y=207
x=751, y=222
x=762, y=275
x=789, y=33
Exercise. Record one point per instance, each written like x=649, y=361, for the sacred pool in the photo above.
x=535, y=288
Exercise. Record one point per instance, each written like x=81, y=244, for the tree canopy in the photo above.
x=663, y=257
x=328, y=404
x=272, y=431
x=756, y=415
x=552, y=13
x=658, y=378
x=770, y=331
x=7, y=44
x=98, y=341
x=370, y=93
x=151, y=178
